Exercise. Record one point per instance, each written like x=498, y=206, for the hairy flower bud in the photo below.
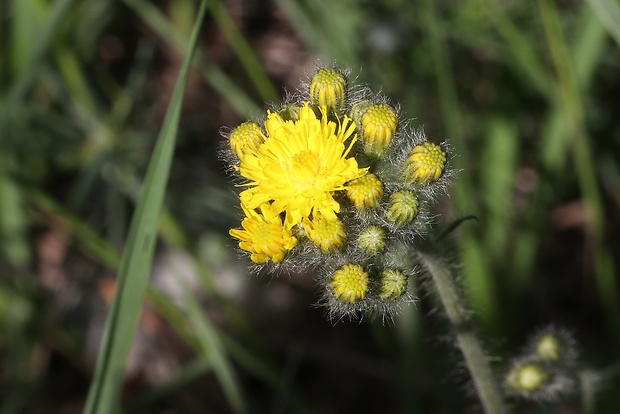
x=327, y=234
x=393, y=284
x=365, y=191
x=371, y=240
x=246, y=138
x=527, y=378
x=425, y=164
x=290, y=112
x=403, y=208
x=328, y=88
x=350, y=283
x=378, y=125
x=554, y=345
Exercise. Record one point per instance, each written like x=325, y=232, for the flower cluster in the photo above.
x=546, y=369
x=336, y=180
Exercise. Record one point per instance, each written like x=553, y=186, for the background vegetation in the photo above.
x=526, y=93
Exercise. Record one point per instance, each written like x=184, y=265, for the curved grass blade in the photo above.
x=138, y=253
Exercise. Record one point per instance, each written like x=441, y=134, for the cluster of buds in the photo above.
x=336, y=180
x=546, y=370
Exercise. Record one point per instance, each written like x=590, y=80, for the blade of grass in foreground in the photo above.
x=138, y=253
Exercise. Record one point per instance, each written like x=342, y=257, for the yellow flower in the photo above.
x=246, y=138
x=403, y=208
x=264, y=236
x=350, y=283
x=378, y=125
x=365, y=191
x=426, y=163
x=393, y=284
x=328, y=88
x=300, y=166
x=327, y=234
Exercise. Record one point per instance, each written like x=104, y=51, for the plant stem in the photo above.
x=479, y=368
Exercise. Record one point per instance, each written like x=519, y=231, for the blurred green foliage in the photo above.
x=525, y=92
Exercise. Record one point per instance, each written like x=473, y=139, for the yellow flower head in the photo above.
x=393, y=284
x=328, y=88
x=378, y=126
x=372, y=240
x=426, y=163
x=350, y=283
x=403, y=208
x=264, y=236
x=300, y=166
x=527, y=377
x=365, y=191
x=326, y=234
x=246, y=138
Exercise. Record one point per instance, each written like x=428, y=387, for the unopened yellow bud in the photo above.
x=372, y=240
x=365, y=191
x=426, y=163
x=378, y=126
x=246, y=138
x=350, y=283
x=393, y=284
x=403, y=208
x=328, y=88
x=328, y=234
x=548, y=347
x=527, y=378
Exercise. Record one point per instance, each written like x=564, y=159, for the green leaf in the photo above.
x=137, y=256
x=608, y=11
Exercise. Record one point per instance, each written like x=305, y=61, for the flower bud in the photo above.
x=365, y=191
x=378, y=125
x=350, y=283
x=403, y=208
x=328, y=88
x=393, y=284
x=538, y=380
x=327, y=234
x=290, y=112
x=554, y=345
x=371, y=240
x=425, y=164
x=246, y=138
x=527, y=378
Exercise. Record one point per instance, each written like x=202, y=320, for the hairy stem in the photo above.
x=479, y=368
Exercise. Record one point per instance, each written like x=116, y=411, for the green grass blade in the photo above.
x=137, y=257
x=608, y=11
x=498, y=164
